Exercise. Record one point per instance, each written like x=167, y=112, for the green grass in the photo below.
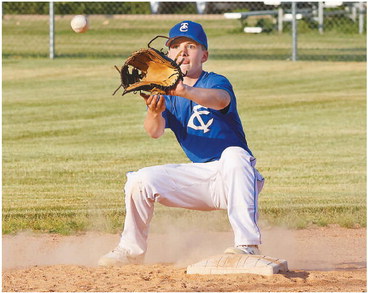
x=67, y=143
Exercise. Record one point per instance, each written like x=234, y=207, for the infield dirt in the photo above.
x=325, y=259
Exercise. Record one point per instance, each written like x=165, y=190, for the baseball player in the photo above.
x=202, y=112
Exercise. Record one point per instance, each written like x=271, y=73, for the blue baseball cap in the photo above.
x=188, y=29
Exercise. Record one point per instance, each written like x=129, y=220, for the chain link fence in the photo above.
x=236, y=30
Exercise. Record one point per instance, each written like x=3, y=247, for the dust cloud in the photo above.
x=29, y=249
x=309, y=249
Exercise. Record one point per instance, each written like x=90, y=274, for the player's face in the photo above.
x=192, y=53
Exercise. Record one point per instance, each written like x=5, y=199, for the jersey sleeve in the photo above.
x=218, y=81
x=221, y=82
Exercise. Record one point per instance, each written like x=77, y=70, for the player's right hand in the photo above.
x=155, y=103
x=178, y=90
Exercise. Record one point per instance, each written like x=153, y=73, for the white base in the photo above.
x=239, y=264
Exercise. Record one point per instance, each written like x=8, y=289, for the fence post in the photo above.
x=294, y=31
x=201, y=7
x=52, y=30
x=280, y=16
x=320, y=17
x=154, y=6
x=361, y=17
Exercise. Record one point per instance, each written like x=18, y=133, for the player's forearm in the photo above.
x=216, y=99
x=154, y=124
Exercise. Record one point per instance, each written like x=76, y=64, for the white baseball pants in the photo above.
x=231, y=183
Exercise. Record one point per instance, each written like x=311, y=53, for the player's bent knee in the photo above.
x=146, y=176
x=139, y=184
x=236, y=158
x=234, y=153
x=132, y=185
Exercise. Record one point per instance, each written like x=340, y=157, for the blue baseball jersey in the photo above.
x=204, y=133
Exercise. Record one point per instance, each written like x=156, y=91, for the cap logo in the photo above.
x=184, y=27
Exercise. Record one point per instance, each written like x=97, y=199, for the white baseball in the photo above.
x=79, y=24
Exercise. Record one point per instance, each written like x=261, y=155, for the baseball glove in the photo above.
x=149, y=70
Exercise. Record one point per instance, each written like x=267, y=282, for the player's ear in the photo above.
x=205, y=56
